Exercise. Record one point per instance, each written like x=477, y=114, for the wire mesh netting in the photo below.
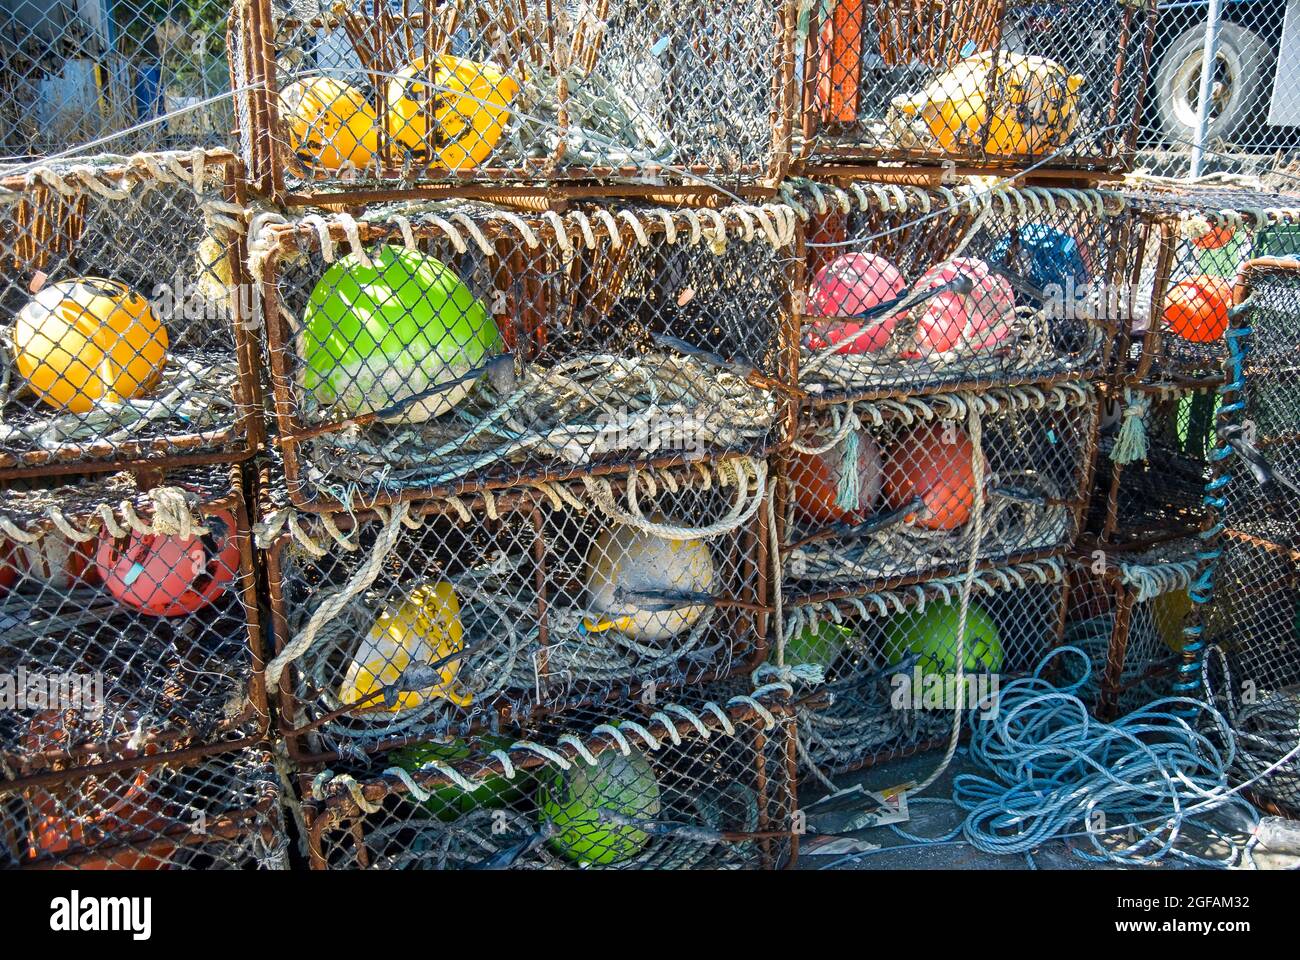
x=146, y=74
x=889, y=488
x=996, y=83
x=451, y=618
x=438, y=349
x=128, y=615
x=925, y=289
x=702, y=782
x=1128, y=606
x=1253, y=665
x=890, y=658
x=1153, y=462
x=120, y=314
x=1252, y=110
x=216, y=813
x=398, y=92
x=1196, y=240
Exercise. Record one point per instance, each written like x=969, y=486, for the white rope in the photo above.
x=331, y=605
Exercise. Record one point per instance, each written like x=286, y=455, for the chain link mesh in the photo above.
x=1253, y=663
x=996, y=83
x=1128, y=606
x=702, y=782
x=124, y=332
x=918, y=290
x=216, y=813
x=503, y=91
x=146, y=74
x=890, y=655
x=1153, y=462
x=460, y=616
x=910, y=504
x=129, y=617
x=1252, y=117
x=1197, y=239
x=444, y=348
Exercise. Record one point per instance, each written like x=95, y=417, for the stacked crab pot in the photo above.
x=938, y=476
x=134, y=717
x=528, y=323
x=1149, y=512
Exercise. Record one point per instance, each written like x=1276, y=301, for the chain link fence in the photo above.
x=1251, y=117
x=138, y=74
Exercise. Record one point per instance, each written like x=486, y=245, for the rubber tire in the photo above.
x=1247, y=58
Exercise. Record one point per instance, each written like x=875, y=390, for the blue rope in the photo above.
x=1056, y=772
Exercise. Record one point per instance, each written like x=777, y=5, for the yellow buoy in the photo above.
x=1033, y=102
x=470, y=103
x=425, y=627
x=89, y=340
x=332, y=127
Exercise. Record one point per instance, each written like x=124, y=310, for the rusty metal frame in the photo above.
x=237, y=442
x=167, y=745
x=285, y=241
x=752, y=605
x=253, y=24
x=1115, y=155
x=339, y=811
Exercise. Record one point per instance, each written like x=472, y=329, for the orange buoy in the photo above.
x=1216, y=238
x=816, y=482
x=935, y=464
x=1196, y=309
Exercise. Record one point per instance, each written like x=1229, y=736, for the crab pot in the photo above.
x=434, y=350
x=1196, y=241
x=491, y=94
x=924, y=290
x=453, y=617
x=1250, y=617
x=1158, y=491
x=1253, y=660
x=989, y=85
x=889, y=654
x=129, y=618
x=220, y=812
x=1128, y=607
x=121, y=300
x=909, y=505
x=703, y=782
